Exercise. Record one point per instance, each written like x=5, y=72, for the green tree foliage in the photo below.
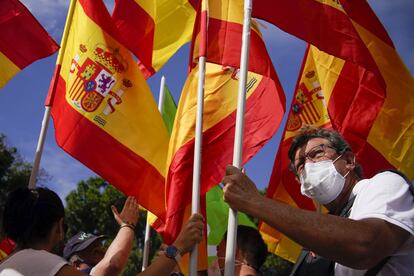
x=89, y=209
x=14, y=172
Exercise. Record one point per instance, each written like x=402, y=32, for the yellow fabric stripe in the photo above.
x=151, y=218
x=393, y=130
x=228, y=10
x=220, y=99
x=8, y=70
x=174, y=22
x=134, y=121
x=276, y=242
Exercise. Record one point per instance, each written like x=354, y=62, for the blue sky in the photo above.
x=21, y=100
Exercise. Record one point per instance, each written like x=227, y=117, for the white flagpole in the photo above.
x=238, y=139
x=147, y=243
x=46, y=115
x=39, y=148
x=195, y=204
x=145, y=259
x=145, y=254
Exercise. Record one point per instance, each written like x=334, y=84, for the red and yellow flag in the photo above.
x=264, y=109
x=326, y=88
x=23, y=39
x=154, y=30
x=330, y=26
x=6, y=248
x=104, y=113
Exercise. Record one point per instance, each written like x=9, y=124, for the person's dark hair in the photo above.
x=335, y=139
x=252, y=246
x=29, y=215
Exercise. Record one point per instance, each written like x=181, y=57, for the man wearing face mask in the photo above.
x=370, y=225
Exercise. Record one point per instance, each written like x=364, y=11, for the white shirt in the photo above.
x=386, y=196
x=32, y=262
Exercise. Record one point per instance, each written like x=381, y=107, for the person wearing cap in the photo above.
x=84, y=251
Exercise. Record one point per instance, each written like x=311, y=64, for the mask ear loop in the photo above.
x=350, y=170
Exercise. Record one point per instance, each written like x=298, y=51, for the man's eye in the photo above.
x=316, y=154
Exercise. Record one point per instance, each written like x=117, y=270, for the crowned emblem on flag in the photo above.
x=95, y=76
x=308, y=105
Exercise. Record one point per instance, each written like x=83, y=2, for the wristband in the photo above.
x=129, y=225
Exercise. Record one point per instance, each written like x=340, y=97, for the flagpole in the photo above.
x=195, y=204
x=46, y=115
x=145, y=257
x=238, y=139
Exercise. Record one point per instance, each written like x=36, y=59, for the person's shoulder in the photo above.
x=384, y=182
x=389, y=178
x=33, y=254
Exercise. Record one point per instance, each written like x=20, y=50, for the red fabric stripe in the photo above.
x=361, y=12
x=224, y=47
x=103, y=154
x=372, y=161
x=194, y=3
x=52, y=86
x=321, y=25
x=23, y=40
x=355, y=103
x=263, y=113
x=137, y=28
x=98, y=13
x=203, y=34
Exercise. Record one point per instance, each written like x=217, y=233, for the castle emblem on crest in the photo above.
x=308, y=105
x=95, y=79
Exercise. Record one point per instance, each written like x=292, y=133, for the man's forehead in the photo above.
x=309, y=145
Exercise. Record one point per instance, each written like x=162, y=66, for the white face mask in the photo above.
x=321, y=181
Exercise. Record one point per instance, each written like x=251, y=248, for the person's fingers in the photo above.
x=115, y=213
x=196, y=217
x=129, y=202
x=230, y=169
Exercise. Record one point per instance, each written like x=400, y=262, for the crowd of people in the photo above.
x=368, y=230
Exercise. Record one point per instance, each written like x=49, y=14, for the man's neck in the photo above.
x=336, y=206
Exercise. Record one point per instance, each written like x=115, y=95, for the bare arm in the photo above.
x=117, y=254
x=358, y=244
x=191, y=234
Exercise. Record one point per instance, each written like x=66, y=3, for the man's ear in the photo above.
x=350, y=158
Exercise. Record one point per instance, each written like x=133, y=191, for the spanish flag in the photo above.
x=330, y=26
x=154, y=30
x=103, y=111
x=264, y=108
x=23, y=39
x=326, y=88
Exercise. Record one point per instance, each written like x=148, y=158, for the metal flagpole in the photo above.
x=195, y=204
x=238, y=139
x=145, y=257
x=46, y=115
